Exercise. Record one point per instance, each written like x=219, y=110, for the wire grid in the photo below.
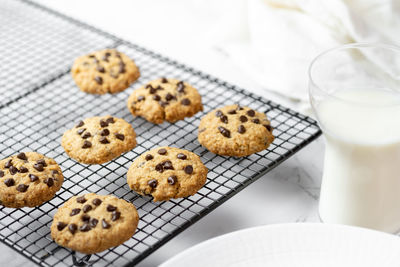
x=35, y=117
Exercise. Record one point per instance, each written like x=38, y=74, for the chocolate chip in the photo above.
x=152, y=183
x=100, y=69
x=42, y=161
x=9, y=182
x=104, y=132
x=22, y=187
x=49, y=181
x=8, y=164
x=169, y=97
x=120, y=136
x=241, y=129
x=232, y=111
x=80, y=131
x=180, y=87
x=185, y=102
x=72, y=228
x=99, y=80
x=115, y=215
x=106, y=55
x=13, y=170
x=218, y=113
x=111, y=208
x=91, y=56
x=61, y=226
x=162, y=151
x=96, y=201
x=164, y=80
x=121, y=67
x=149, y=157
x=23, y=169
x=87, y=208
x=159, y=167
x=22, y=156
x=163, y=104
x=85, y=217
x=103, y=123
x=86, y=144
x=148, y=86
x=74, y=212
x=81, y=199
x=159, y=88
x=1, y=173
x=86, y=135
x=256, y=121
x=225, y=132
x=104, y=140
x=80, y=124
x=152, y=90
x=33, y=177
x=141, y=98
x=105, y=224
x=251, y=113
x=188, y=169
x=93, y=222
x=167, y=165
x=110, y=120
x=243, y=118
x=172, y=179
x=269, y=128
x=224, y=119
x=85, y=227
x=181, y=156
x=38, y=167
x=156, y=97
x=54, y=172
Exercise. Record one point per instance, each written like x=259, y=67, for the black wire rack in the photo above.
x=40, y=101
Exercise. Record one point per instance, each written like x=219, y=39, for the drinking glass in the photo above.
x=355, y=94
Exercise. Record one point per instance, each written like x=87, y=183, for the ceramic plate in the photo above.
x=289, y=245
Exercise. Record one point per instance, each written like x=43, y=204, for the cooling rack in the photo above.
x=40, y=101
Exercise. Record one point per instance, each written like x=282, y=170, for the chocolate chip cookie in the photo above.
x=99, y=139
x=166, y=173
x=92, y=223
x=235, y=131
x=165, y=100
x=28, y=180
x=105, y=71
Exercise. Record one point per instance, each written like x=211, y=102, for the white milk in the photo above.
x=361, y=180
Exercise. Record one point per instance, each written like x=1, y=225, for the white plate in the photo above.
x=297, y=244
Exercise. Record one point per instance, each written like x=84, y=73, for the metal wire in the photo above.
x=40, y=101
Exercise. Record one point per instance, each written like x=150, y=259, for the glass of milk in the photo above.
x=355, y=94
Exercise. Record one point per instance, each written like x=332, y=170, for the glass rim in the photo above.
x=312, y=83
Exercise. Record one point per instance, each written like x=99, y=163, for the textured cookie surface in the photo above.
x=92, y=223
x=28, y=180
x=166, y=173
x=105, y=71
x=99, y=139
x=165, y=100
x=235, y=131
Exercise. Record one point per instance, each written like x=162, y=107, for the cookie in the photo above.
x=99, y=139
x=166, y=173
x=105, y=71
x=165, y=100
x=92, y=223
x=28, y=180
x=235, y=131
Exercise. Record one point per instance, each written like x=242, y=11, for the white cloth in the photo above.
x=274, y=41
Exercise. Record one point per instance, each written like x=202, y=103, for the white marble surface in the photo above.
x=176, y=28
